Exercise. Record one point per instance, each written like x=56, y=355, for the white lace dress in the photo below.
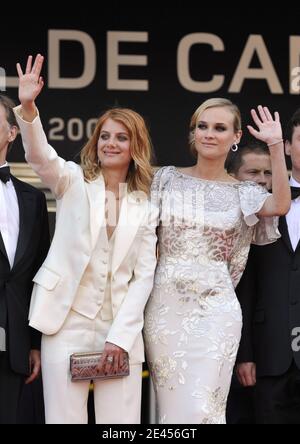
x=193, y=318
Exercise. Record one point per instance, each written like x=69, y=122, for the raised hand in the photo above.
x=30, y=83
x=270, y=130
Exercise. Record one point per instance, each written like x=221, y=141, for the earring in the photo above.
x=234, y=147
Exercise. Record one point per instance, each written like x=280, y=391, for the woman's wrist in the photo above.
x=274, y=142
x=28, y=106
x=28, y=111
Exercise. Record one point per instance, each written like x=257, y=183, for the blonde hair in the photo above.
x=213, y=103
x=140, y=173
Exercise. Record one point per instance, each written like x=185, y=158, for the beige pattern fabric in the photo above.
x=193, y=318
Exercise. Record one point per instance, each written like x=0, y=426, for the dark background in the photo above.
x=167, y=105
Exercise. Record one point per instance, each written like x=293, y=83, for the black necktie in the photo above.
x=295, y=191
x=5, y=174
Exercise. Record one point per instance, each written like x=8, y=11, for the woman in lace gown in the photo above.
x=207, y=222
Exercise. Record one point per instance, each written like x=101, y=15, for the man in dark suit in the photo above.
x=251, y=162
x=24, y=242
x=269, y=293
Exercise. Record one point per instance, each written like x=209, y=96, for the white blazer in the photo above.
x=80, y=215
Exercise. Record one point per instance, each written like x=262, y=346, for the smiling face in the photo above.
x=214, y=133
x=114, y=145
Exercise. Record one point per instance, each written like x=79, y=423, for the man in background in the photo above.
x=269, y=294
x=251, y=162
x=24, y=242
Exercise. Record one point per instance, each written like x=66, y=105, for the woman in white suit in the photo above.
x=91, y=291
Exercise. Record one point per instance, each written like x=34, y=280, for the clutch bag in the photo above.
x=84, y=366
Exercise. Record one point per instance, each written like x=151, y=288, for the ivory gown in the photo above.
x=193, y=319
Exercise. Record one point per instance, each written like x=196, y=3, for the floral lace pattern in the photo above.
x=193, y=319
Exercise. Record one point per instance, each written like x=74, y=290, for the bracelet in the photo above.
x=275, y=143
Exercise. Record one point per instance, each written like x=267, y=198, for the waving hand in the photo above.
x=269, y=129
x=30, y=82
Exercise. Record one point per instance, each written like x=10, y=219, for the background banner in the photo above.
x=162, y=61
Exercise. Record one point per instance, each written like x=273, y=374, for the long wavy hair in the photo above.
x=213, y=103
x=140, y=172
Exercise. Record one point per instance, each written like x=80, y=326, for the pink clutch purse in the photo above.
x=83, y=366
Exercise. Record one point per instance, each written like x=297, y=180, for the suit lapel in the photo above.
x=96, y=196
x=131, y=215
x=27, y=212
x=283, y=228
x=2, y=247
x=298, y=245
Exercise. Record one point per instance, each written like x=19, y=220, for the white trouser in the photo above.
x=117, y=401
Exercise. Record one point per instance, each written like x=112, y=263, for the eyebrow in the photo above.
x=108, y=132
x=258, y=169
x=218, y=123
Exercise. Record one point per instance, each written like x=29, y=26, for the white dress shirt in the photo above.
x=9, y=218
x=293, y=217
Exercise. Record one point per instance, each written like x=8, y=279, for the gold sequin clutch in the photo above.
x=84, y=366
